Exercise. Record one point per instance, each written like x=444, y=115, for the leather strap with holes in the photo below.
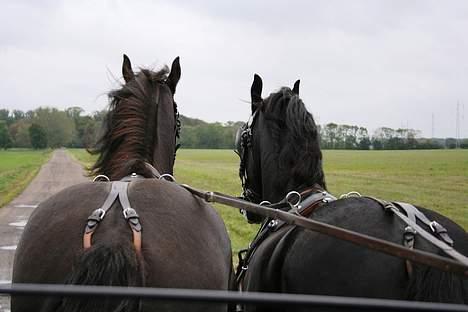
x=119, y=192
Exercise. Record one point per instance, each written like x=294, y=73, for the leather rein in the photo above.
x=457, y=265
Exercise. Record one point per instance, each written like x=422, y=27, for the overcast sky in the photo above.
x=369, y=63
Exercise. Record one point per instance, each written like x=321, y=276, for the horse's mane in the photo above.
x=296, y=137
x=127, y=138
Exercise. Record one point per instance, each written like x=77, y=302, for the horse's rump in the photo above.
x=184, y=242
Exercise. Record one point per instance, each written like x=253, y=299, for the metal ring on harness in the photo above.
x=351, y=194
x=262, y=203
x=101, y=177
x=167, y=177
x=290, y=197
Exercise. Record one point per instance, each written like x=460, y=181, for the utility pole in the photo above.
x=432, y=126
x=457, y=127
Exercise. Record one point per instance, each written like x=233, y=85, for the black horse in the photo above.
x=184, y=243
x=280, y=152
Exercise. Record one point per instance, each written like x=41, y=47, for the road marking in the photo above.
x=21, y=223
x=26, y=206
x=11, y=247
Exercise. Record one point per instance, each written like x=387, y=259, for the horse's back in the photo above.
x=184, y=241
x=302, y=261
x=188, y=245
x=346, y=269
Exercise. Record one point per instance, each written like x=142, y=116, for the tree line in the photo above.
x=51, y=128
x=335, y=136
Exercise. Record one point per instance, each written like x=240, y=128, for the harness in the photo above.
x=292, y=203
x=316, y=197
x=243, y=146
x=118, y=192
x=296, y=214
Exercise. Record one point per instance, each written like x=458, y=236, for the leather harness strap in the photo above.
x=315, y=197
x=119, y=190
x=308, y=205
x=436, y=241
x=409, y=237
x=413, y=213
x=99, y=214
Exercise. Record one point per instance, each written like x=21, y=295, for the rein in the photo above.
x=458, y=266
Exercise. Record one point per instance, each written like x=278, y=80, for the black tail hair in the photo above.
x=106, y=264
x=431, y=284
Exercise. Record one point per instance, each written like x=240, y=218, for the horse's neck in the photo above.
x=276, y=184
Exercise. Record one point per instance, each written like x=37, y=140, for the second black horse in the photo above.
x=280, y=152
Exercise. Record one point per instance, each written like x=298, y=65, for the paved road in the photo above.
x=58, y=173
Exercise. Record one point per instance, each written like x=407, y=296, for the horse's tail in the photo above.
x=106, y=264
x=431, y=284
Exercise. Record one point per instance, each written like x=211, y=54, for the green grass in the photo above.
x=217, y=170
x=434, y=179
x=17, y=168
x=83, y=156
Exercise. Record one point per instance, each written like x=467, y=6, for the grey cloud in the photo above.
x=372, y=63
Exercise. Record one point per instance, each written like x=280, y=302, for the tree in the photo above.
x=364, y=143
x=19, y=132
x=59, y=127
x=38, y=136
x=330, y=134
x=5, y=140
x=4, y=114
x=18, y=115
x=377, y=144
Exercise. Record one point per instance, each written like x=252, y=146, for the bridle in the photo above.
x=243, y=148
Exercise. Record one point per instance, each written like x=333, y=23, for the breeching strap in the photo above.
x=118, y=191
x=459, y=267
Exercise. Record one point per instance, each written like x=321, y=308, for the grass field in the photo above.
x=434, y=179
x=17, y=168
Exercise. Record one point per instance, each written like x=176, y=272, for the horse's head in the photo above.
x=142, y=125
x=279, y=146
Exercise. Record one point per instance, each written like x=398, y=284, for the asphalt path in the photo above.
x=59, y=172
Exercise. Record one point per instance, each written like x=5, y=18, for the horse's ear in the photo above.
x=127, y=70
x=256, y=92
x=295, y=89
x=174, y=76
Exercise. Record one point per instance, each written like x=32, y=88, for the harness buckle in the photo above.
x=409, y=230
x=129, y=213
x=436, y=227
x=97, y=215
